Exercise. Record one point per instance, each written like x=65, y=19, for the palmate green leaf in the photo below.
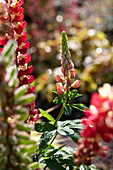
x=20, y=166
x=23, y=117
x=51, y=153
x=58, y=100
x=74, y=123
x=26, y=159
x=34, y=165
x=20, y=110
x=93, y=167
x=68, y=161
x=48, y=116
x=9, y=48
x=28, y=150
x=9, y=60
x=73, y=94
x=23, y=126
x=14, y=83
x=23, y=112
x=54, y=165
x=26, y=99
x=83, y=167
x=26, y=142
x=75, y=137
x=66, y=131
x=76, y=126
x=22, y=135
x=54, y=91
x=45, y=138
x=44, y=126
x=8, y=53
x=67, y=110
x=13, y=72
x=68, y=150
x=20, y=91
x=79, y=106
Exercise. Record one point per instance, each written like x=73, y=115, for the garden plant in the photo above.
x=19, y=115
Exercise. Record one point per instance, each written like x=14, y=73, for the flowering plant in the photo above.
x=17, y=107
x=98, y=126
x=51, y=129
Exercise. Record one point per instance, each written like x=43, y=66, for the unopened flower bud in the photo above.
x=71, y=65
x=68, y=82
x=60, y=88
x=64, y=71
x=76, y=84
x=58, y=78
x=72, y=73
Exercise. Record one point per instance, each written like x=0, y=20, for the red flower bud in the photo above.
x=71, y=65
x=64, y=71
x=27, y=58
x=29, y=70
x=30, y=79
x=24, y=36
x=2, y=41
x=20, y=73
x=76, y=84
x=68, y=82
x=31, y=89
x=22, y=62
x=60, y=88
x=34, y=112
x=72, y=73
x=58, y=78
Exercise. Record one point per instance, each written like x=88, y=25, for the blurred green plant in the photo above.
x=15, y=144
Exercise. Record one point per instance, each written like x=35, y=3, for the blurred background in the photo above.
x=89, y=26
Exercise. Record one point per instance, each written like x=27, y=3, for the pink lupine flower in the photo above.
x=98, y=126
x=67, y=68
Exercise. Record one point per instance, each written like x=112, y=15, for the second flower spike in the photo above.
x=67, y=68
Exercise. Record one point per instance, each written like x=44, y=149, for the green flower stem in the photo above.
x=54, y=138
x=51, y=141
x=60, y=114
x=58, y=118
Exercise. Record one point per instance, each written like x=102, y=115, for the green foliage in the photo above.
x=84, y=167
x=16, y=147
x=26, y=99
x=79, y=106
x=67, y=110
x=48, y=116
x=47, y=155
x=59, y=99
x=15, y=144
x=73, y=94
x=34, y=165
x=8, y=53
x=20, y=91
x=44, y=126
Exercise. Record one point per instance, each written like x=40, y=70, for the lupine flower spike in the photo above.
x=67, y=69
x=13, y=13
x=98, y=126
